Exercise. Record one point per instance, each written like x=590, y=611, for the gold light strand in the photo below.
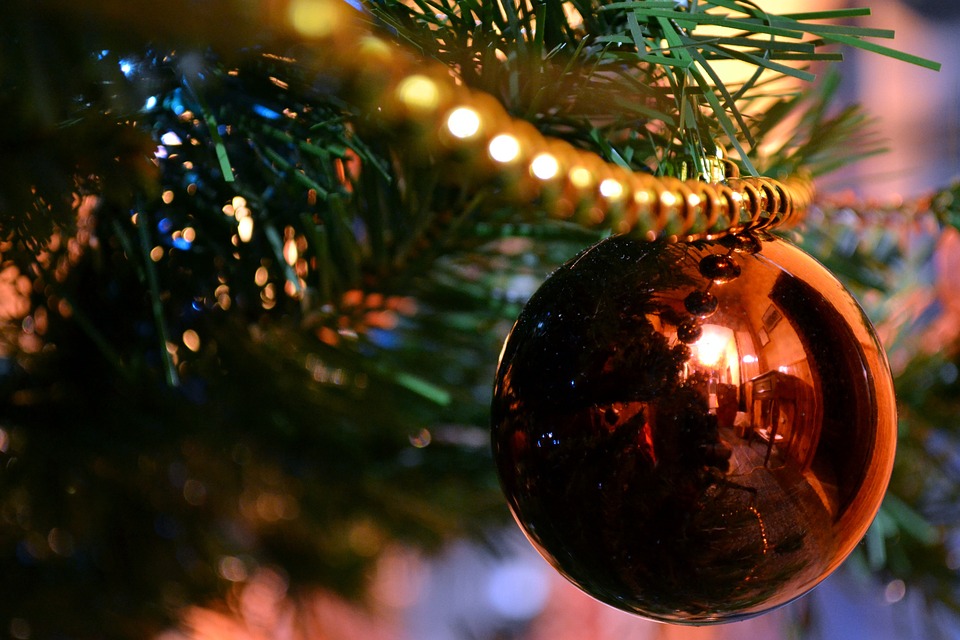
x=471, y=133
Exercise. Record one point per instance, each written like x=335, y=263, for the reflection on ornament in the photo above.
x=701, y=303
x=713, y=345
x=689, y=331
x=694, y=432
x=719, y=268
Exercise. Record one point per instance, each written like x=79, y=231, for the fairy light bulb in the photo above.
x=580, y=177
x=314, y=18
x=544, y=166
x=504, y=148
x=611, y=189
x=463, y=122
x=419, y=92
x=245, y=228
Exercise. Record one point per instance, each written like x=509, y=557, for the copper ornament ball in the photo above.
x=694, y=432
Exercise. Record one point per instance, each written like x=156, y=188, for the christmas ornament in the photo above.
x=695, y=432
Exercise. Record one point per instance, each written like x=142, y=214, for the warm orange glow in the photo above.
x=245, y=229
x=712, y=345
x=611, y=189
x=191, y=340
x=419, y=92
x=581, y=177
x=290, y=252
x=314, y=18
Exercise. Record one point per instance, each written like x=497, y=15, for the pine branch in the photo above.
x=693, y=104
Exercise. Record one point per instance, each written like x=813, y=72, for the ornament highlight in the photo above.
x=694, y=432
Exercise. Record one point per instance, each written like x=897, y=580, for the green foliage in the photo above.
x=642, y=75
x=320, y=416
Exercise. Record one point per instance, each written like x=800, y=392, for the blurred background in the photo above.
x=916, y=109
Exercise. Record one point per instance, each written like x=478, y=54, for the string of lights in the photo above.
x=453, y=122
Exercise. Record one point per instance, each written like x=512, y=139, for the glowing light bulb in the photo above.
x=611, y=189
x=711, y=346
x=127, y=67
x=290, y=252
x=419, y=92
x=504, y=148
x=545, y=166
x=245, y=229
x=313, y=18
x=463, y=122
x=191, y=340
x=375, y=47
x=580, y=177
x=170, y=139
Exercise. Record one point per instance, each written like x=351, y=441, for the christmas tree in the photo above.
x=258, y=260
